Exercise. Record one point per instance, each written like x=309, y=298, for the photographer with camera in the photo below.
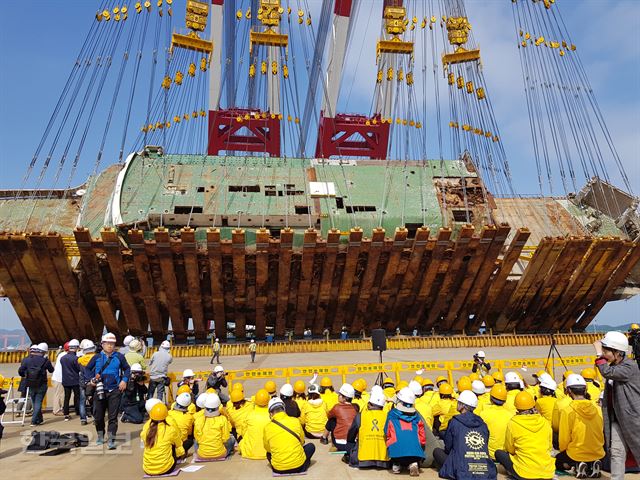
x=480, y=367
x=217, y=380
x=110, y=373
x=134, y=396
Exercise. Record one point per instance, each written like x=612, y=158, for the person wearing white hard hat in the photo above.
x=478, y=388
x=134, y=354
x=218, y=380
x=405, y=434
x=183, y=418
x=580, y=436
x=216, y=348
x=366, y=441
x=340, y=418
x=466, y=444
x=514, y=385
x=253, y=347
x=283, y=440
x=57, y=402
x=621, y=400
x=33, y=370
x=212, y=431
x=314, y=414
x=189, y=379
x=109, y=373
x=480, y=365
x=291, y=407
x=546, y=400
x=158, y=371
x=125, y=344
x=134, y=396
x=88, y=352
x=71, y=379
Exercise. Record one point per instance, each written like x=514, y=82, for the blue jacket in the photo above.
x=117, y=371
x=405, y=433
x=70, y=370
x=466, y=441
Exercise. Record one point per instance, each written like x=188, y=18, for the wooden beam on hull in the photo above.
x=374, y=247
x=215, y=277
x=306, y=272
x=262, y=277
x=346, y=284
x=190, y=254
x=284, y=273
x=387, y=283
x=239, y=280
x=318, y=266
x=324, y=293
x=165, y=257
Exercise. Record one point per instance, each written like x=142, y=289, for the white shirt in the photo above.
x=57, y=369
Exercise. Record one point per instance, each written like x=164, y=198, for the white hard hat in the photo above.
x=481, y=354
x=275, y=402
x=148, y=405
x=575, y=380
x=253, y=341
x=347, y=390
x=218, y=369
x=109, y=337
x=468, y=399
x=165, y=344
x=84, y=343
x=43, y=347
x=512, y=377
x=184, y=399
x=127, y=340
x=89, y=346
x=405, y=395
x=212, y=401
x=377, y=388
x=136, y=367
x=188, y=373
x=217, y=339
x=546, y=381
x=286, y=390
x=377, y=398
x=135, y=345
x=74, y=343
x=416, y=388
x=201, y=400
x=477, y=387
x=616, y=341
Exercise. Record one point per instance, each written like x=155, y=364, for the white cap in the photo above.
x=109, y=337
x=184, y=399
x=512, y=377
x=136, y=367
x=416, y=388
x=127, y=340
x=43, y=347
x=212, y=401
x=275, y=402
x=253, y=341
x=346, y=390
x=468, y=399
x=575, y=380
x=286, y=390
x=218, y=369
x=135, y=345
x=477, y=387
x=546, y=381
x=165, y=344
x=377, y=398
x=188, y=373
x=74, y=343
x=616, y=341
x=148, y=405
x=200, y=401
x=480, y=354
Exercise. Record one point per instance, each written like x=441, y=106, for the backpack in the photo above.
x=33, y=376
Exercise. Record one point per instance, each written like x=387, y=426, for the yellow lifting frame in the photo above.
x=191, y=42
x=269, y=38
x=461, y=55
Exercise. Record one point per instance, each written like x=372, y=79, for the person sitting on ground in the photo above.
x=388, y=386
x=478, y=388
x=217, y=380
x=428, y=391
x=562, y=402
x=443, y=410
x=593, y=387
x=423, y=408
x=466, y=454
x=497, y=417
x=405, y=434
x=134, y=396
x=546, y=402
x=498, y=377
x=212, y=431
x=271, y=388
x=162, y=443
x=314, y=415
x=283, y=441
x=291, y=406
x=339, y=419
x=360, y=396
x=299, y=393
x=328, y=395
x=238, y=411
x=621, y=400
x=251, y=445
x=528, y=444
x=179, y=413
x=480, y=365
x=581, y=432
x=366, y=438
x=200, y=405
x=514, y=385
x=134, y=355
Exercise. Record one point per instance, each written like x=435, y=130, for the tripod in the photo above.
x=381, y=375
x=554, y=352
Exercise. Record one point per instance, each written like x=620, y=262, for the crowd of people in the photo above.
x=531, y=425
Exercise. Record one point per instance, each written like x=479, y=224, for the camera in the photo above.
x=99, y=392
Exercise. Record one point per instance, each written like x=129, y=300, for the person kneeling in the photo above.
x=284, y=441
x=466, y=444
x=162, y=443
x=212, y=431
x=366, y=435
x=405, y=434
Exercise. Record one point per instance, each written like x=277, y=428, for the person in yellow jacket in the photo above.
x=561, y=404
x=180, y=415
x=314, y=413
x=444, y=409
x=185, y=389
x=388, y=387
x=162, y=442
x=560, y=393
x=480, y=391
x=361, y=397
x=212, y=431
x=581, y=432
x=593, y=388
x=546, y=402
x=528, y=443
x=200, y=401
x=328, y=395
x=424, y=408
x=251, y=445
x=428, y=390
x=238, y=411
x=366, y=442
x=283, y=440
x=497, y=417
x=514, y=385
x=299, y=393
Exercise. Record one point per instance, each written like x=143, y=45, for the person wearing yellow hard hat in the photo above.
x=593, y=388
x=388, y=387
x=634, y=341
x=360, y=397
x=3, y=405
x=546, y=401
x=271, y=388
x=444, y=409
x=561, y=403
x=366, y=438
x=440, y=380
x=428, y=391
x=528, y=443
x=212, y=431
x=299, y=393
x=497, y=417
x=560, y=392
x=314, y=413
x=328, y=395
x=463, y=384
x=238, y=411
x=498, y=377
x=162, y=443
x=251, y=445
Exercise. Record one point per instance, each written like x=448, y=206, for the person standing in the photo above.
x=34, y=370
x=110, y=373
x=71, y=379
x=158, y=369
x=134, y=355
x=252, y=350
x=56, y=380
x=634, y=341
x=88, y=352
x=480, y=366
x=216, y=352
x=621, y=400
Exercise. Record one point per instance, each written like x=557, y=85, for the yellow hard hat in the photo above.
x=211, y=390
x=499, y=392
x=474, y=376
x=524, y=401
x=588, y=374
x=388, y=381
x=427, y=381
x=488, y=381
x=464, y=384
x=326, y=382
x=418, y=379
x=566, y=374
x=498, y=376
x=237, y=396
x=402, y=384
x=184, y=389
x=359, y=385
x=158, y=412
x=270, y=386
x=262, y=398
x=445, y=389
x=238, y=386
x=299, y=386
x=634, y=326
x=441, y=378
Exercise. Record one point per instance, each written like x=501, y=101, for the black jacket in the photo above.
x=70, y=370
x=34, y=370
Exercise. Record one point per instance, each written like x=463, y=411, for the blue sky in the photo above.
x=35, y=61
